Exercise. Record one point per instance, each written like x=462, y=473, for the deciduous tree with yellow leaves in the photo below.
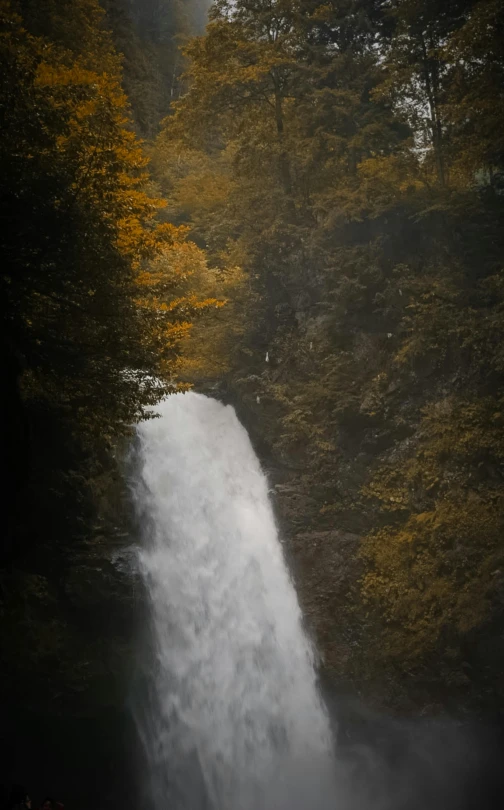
x=91, y=298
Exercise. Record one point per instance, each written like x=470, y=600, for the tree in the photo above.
x=149, y=35
x=96, y=300
x=346, y=155
x=417, y=73
x=94, y=322
x=473, y=110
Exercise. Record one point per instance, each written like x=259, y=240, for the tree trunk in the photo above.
x=431, y=78
x=283, y=158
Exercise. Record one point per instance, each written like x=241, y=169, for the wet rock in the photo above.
x=326, y=565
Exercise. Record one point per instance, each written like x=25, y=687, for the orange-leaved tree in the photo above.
x=96, y=297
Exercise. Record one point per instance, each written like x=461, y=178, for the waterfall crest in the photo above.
x=234, y=720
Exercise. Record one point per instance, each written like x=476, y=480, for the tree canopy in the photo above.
x=91, y=277
x=349, y=156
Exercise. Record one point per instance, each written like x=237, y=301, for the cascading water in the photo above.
x=234, y=720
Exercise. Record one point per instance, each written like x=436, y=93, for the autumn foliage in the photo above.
x=92, y=281
x=334, y=172
x=350, y=154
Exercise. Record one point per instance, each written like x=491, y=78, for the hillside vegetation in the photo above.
x=348, y=156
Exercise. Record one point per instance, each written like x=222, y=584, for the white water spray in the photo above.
x=234, y=720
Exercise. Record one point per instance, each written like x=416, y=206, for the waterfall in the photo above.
x=233, y=719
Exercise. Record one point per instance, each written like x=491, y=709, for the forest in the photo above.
x=297, y=207
x=348, y=157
